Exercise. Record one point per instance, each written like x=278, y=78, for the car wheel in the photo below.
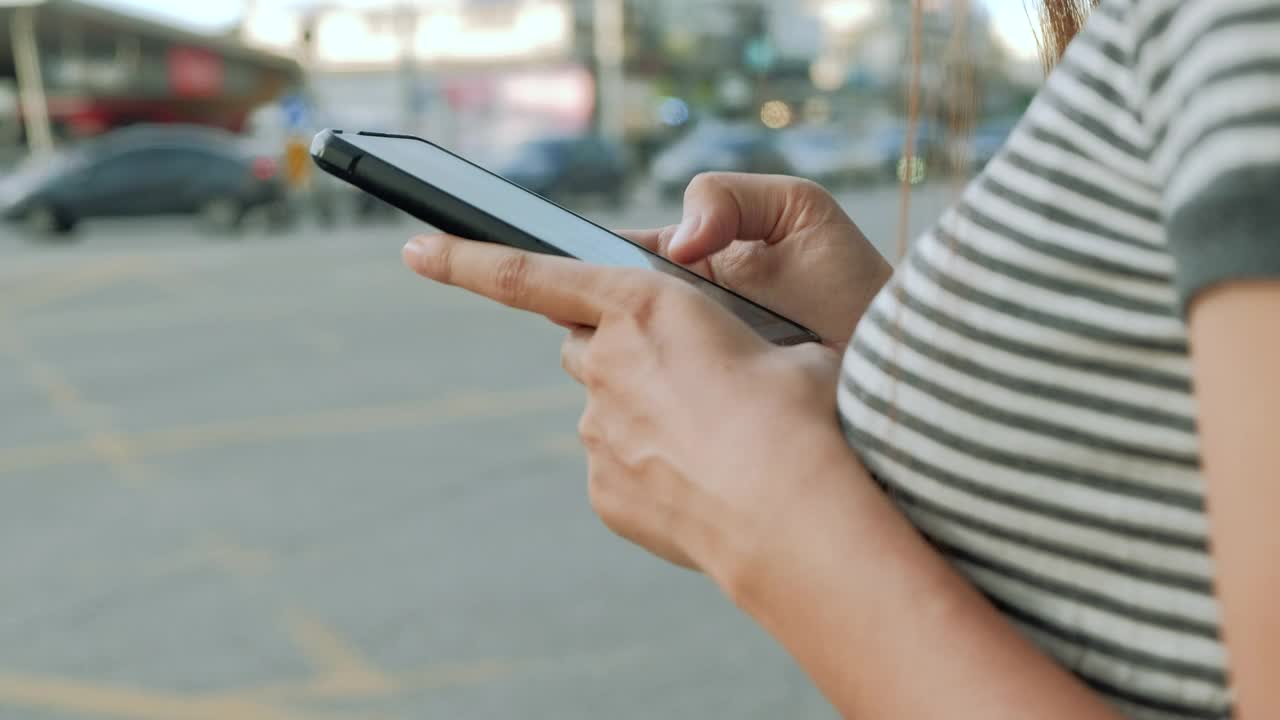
x=47, y=221
x=221, y=214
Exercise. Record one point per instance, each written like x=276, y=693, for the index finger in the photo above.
x=563, y=289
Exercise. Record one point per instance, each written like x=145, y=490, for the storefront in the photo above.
x=70, y=69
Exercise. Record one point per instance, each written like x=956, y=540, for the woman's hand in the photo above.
x=780, y=241
x=698, y=432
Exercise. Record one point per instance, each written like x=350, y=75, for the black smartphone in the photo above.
x=462, y=198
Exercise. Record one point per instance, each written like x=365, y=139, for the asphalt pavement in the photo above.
x=274, y=477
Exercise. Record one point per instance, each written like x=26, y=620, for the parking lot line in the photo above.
x=340, y=668
x=100, y=701
x=265, y=429
x=65, y=285
x=102, y=438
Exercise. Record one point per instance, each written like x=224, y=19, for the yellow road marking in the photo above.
x=104, y=443
x=108, y=702
x=64, y=285
x=259, y=430
x=342, y=669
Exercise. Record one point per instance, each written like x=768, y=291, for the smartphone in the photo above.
x=462, y=198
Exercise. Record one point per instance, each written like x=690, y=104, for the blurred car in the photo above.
x=713, y=146
x=889, y=141
x=830, y=155
x=570, y=166
x=143, y=171
x=989, y=138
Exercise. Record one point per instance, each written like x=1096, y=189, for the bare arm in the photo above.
x=1235, y=342
x=883, y=624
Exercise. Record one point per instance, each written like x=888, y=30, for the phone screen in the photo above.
x=542, y=219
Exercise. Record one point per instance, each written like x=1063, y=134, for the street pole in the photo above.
x=407, y=21
x=607, y=23
x=26, y=59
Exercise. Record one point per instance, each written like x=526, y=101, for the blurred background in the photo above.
x=251, y=468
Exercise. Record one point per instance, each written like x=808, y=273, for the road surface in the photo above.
x=280, y=477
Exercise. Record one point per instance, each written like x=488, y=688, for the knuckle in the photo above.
x=704, y=182
x=511, y=278
x=589, y=434
x=642, y=304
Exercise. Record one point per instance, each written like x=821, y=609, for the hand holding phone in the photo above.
x=464, y=199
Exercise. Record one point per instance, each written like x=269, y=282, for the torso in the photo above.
x=1022, y=389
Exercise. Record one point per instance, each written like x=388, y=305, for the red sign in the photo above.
x=194, y=72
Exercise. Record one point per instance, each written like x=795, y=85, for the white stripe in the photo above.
x=1099, y=622
x=1085, y=169
x=1229, y=47
x=1045, y=115
x=1240, y=149
x=1034, y=225
x=1004, y=249
x=1104, y=504
x=1086, y=101
x=1112, y=586
x=1092, y=422
x=1090, y=60
x=1105, y=27
x=1035, y=187
x=1021, y=367
x=1148, y=682
x=1022, y=331
x=970, y=429
x=1187, y=26
x=1088, y=312
x=1103, y=543
x=1213, y=106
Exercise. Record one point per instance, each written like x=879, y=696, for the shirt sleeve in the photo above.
x=1210, y=72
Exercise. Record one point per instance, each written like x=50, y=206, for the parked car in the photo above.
x=715, y=146
x=143, y=171
x=989, y=138
x=889, y=141
x=571, y=166
x=831, y=155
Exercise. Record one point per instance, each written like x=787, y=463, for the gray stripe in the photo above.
x=1052, y=282
x=1049, y=391
x=1171, y=345
x=1124, y=654
x=1146, y=573
x=1058, y=251
x=1050, y=137
x=1058, y=176
x=1140, y=375
x=1268, y=119
x=1133, y=697
x=1114, y=53
x=1135, y=613
x=1027, y=423
x=1090, y=124
x=1184, y=499
x=1059, y=214
x=1097, y=521
x=1263, y=13
x=1102, y=88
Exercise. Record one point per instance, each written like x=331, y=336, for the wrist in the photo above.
x=817, y=473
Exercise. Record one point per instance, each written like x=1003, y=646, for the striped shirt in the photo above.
x=1022, y=388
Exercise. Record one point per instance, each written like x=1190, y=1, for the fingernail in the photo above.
x=688, y=228
x=413, y=253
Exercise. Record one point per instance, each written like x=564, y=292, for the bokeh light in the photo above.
x=776, y=114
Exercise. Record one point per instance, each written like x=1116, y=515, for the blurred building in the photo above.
x=71, y=69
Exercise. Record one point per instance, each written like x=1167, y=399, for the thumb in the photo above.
x=722, y=207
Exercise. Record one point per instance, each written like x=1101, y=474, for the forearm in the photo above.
x=882, y=623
